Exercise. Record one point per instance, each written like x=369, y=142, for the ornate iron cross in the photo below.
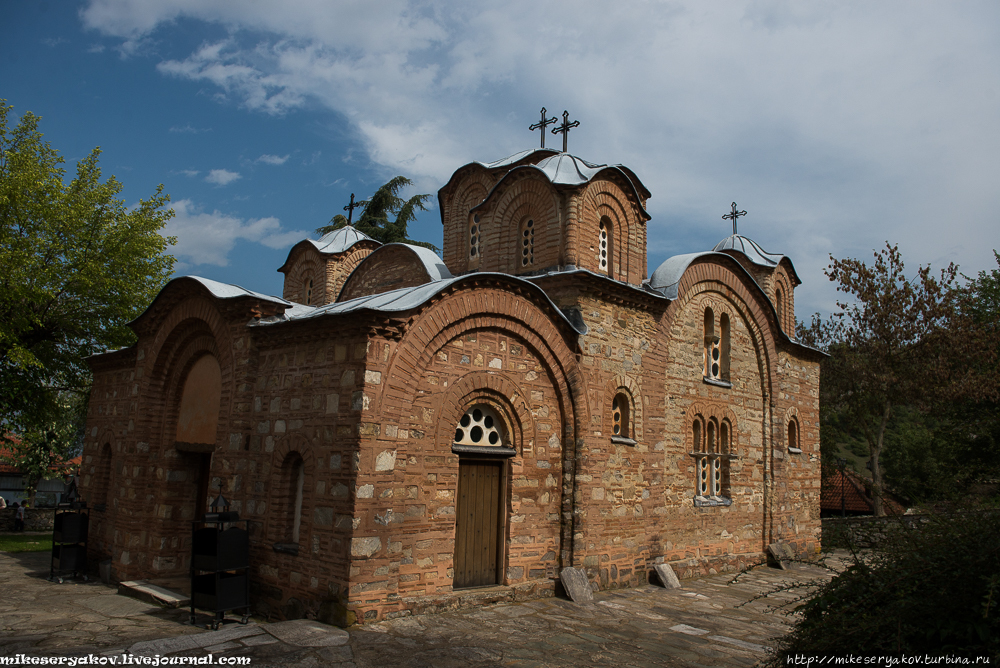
x=565, y=128
x=541, y=124
x=733, y=216
x=352, y=206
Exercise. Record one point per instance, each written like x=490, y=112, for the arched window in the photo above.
x=101, y=479
x=293, y=477
x=717, y=348
x=712, y=352
x=605, y=248
x=779, y=306
x=309, y=291
x=528, y=243
x=475, y=234
x=724, y=346
x=621, y=416
x=793, y=437
x=480, y=426
x=711, y=446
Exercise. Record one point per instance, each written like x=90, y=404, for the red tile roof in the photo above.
x=846, y=490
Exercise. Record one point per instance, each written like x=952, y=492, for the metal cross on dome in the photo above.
x=541, y=124
x=352, y=206
x=733, y=215
x=565, y=128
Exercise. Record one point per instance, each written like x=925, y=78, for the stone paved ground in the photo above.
x=706, y=623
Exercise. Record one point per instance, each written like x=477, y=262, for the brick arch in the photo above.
x=627, y=383
x=748, y=301
x=340, y=266
x=791, y=414
x=473, y=185
x=192, y=329
x=98, y=479
x=707, y=410
x=277, y=498
x=605, y=198
x=496, y=389
x=720, y=275
x=308, y=264
x=467, y=310
x=519, y=196
x=786, y=308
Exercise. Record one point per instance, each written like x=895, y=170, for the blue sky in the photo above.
x=836, y=125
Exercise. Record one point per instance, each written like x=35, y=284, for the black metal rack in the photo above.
x=69, y=541
x=220, y=563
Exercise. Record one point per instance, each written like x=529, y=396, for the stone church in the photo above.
x=408, y=433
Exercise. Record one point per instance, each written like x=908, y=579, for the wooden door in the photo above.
x=477, y=529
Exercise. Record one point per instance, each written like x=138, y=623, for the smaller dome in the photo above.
x=750, y=248
x=567, y=169
x=340, y=240
x=752, y=251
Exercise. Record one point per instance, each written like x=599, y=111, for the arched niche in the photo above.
x=198, y=414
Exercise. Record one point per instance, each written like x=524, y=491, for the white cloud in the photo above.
x=837, y=125
x=187, y=129
x=222, y=177
x=189, y=172
x=273, y=159
x=208, y=238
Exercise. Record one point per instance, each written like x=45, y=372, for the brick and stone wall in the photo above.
x=367, y=405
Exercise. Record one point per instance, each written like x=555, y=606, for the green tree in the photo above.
x=898, y=342
x=383, y=205
x=76, y=265
x=42, y=449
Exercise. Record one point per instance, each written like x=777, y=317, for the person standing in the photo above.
x=19, y=522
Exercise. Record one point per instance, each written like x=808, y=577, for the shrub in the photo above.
x=929, y=587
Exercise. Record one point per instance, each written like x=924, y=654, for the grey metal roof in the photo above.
x=340, y=240
x=403, y=299
x=510, y=160
x=217, y=289
x=228, y=290
x=434, y=265
x=566, y=169
x=753, y=252
x=668, y=275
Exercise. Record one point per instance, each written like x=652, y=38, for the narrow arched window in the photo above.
x=101, y=479
x=475, y=234
x=701, y=457
x=712, y=450
x=713, y=362
x=621, y=418
x=779, y=306
x=605, y=246
x=793, y=437
x=293, y=477
x=724, y=346
x=309, y=291
x=528, y=243
x=725, y=452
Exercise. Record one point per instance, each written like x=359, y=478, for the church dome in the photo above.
x=566, y=169
x=340, y=240
x=753, y=252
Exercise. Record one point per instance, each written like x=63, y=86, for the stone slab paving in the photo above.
x=710, y=621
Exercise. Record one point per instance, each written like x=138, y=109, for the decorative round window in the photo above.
x=480, y=426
